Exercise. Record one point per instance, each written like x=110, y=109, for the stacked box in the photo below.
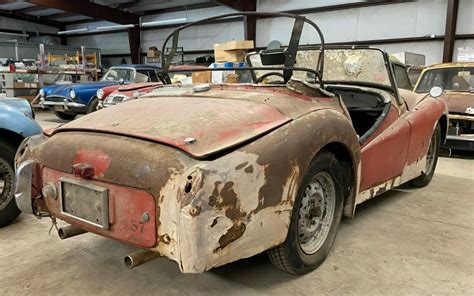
x=233, y=51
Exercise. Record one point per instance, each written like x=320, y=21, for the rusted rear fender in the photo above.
x=240, y=204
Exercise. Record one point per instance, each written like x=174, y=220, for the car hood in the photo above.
x=64, y=89
x=198, y=126
x=458, y=102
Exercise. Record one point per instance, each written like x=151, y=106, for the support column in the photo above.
x=134, y=42
x=450, y=32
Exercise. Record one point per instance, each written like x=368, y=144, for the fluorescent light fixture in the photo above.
x=116, y=27
x=13, y=34
x=165, y=22
x=73, y=31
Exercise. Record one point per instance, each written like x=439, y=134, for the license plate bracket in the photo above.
x=85, y=202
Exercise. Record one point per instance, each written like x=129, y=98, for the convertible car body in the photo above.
x=457, y=79
x=209, y=174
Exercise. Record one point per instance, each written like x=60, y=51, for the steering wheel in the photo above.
x=261, y=78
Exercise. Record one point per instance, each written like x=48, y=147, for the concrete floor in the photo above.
x=407, y=241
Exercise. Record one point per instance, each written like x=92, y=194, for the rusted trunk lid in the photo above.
x=458, y=102
x=198, y=126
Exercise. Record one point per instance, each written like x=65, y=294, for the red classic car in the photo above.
x=208, y=174
x=115, y=94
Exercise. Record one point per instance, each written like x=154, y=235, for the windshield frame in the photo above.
x=392, y=88
x=122, y=68
x=291, y=49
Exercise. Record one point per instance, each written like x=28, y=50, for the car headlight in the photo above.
x=100, y=94
x=72, y=94
x=42, y=92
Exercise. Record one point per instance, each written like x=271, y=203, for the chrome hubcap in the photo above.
x=316, y=213
x=6, y=184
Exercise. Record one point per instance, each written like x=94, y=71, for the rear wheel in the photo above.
x=8, y=208
x=316, y=215
x=431, y=160
x=65, y=116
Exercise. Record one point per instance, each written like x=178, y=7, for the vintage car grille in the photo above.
x=461, y=125
x=57, y=99
x=115, y=99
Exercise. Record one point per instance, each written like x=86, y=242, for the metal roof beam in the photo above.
x=95, y=11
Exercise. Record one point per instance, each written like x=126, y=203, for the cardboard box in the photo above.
x=233, y=51
x=229, y=55
x=151, y=53
x=232, y=78
x=234, y=45
x=24, y=85
x=202, y=77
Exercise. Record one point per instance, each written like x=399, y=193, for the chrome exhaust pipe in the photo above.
x=138, y=258
x=70, y=231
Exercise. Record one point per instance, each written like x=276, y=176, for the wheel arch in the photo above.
x=349, y=166
x=11, y=137
x=443, y=122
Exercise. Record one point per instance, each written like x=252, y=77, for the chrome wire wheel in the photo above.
x=316, y=212
x=6, y=184
x=432, y=153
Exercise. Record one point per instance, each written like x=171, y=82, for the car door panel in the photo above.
x=383, y=156
x=422, y=119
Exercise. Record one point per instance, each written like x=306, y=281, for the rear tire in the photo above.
x=431, y=160
x=316, y=216
x=65, y=116
x=8, y=209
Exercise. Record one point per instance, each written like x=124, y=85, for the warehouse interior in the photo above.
x=151, y=146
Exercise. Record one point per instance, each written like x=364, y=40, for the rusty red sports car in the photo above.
x=208, y=174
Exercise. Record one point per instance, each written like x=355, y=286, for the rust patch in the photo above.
x=380, y=191
x=195, y=211
x=214, y=222
x=249, y=169
x=165, y=238
x=232, y=234
x=226, y=199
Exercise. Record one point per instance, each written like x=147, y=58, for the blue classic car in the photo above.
x=16, y=124
x=72, y=99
